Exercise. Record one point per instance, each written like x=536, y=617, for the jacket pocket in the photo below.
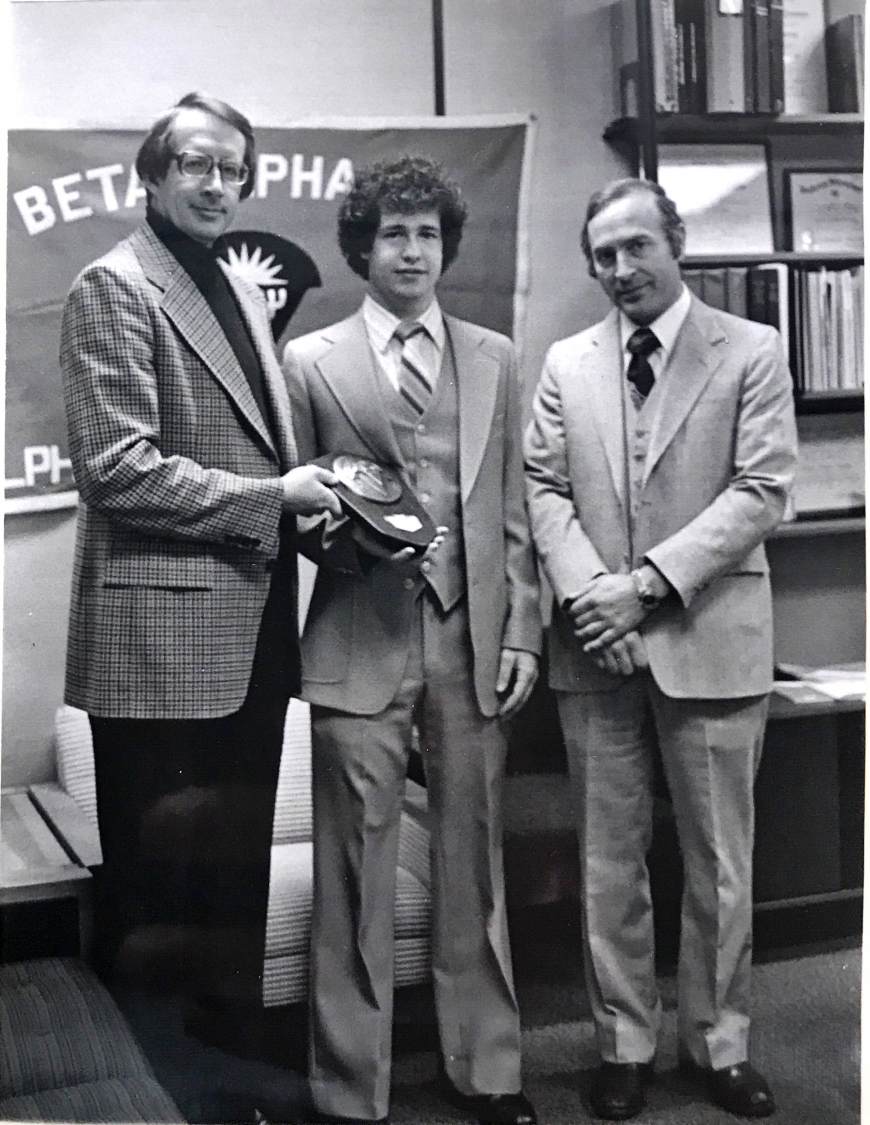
x=163, y=570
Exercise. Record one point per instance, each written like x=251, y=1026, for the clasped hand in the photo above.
x=605, y=616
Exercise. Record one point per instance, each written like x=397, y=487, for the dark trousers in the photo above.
x=185, y=812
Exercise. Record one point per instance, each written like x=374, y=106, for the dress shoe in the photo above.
x=739, y=1089
x=492, y=1109
x=617, y=1091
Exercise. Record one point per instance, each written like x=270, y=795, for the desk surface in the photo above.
x=33, y=862
x=783, y=708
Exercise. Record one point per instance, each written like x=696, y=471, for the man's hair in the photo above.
x=155, y=153
x=406, y=186
x=672, y=225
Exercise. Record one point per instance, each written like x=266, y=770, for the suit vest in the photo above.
x=430, y=457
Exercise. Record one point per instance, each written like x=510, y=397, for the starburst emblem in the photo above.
x=253, y=267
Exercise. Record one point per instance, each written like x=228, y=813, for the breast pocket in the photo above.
x=164, y=570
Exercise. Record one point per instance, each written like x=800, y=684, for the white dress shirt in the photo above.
x=381, y=326
x=666, y=328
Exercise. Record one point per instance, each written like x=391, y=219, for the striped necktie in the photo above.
x=414, y=385
x=642, y=343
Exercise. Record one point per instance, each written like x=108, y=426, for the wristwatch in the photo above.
x=647, y=597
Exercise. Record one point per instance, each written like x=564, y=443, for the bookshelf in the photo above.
x=792, y=143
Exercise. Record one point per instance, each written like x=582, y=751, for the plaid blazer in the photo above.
x=179, y=480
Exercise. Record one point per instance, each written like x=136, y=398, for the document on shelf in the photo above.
x=837, y=681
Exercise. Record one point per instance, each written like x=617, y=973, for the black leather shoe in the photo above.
x=741, y=1089
x=617, y=1091
x=492, y=1109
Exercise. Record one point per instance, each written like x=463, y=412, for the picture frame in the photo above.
x=824, y=210
x=723, y=194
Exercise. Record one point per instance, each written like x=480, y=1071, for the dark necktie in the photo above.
x=642, y=343
x=414, y=385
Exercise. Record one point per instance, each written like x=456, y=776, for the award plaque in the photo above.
x=377, y=497
x=825, y=211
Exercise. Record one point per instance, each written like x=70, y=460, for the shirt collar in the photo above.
x=381, y=323
x=666, y=327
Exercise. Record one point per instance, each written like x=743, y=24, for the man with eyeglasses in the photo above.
x=183, y=644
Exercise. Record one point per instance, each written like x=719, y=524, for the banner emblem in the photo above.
x=283, y=270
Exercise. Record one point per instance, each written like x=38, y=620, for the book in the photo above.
x=844, y=60
x=691, y=63
x=777, y=57
x=761, y=47
x=715, y=293
x=735, y=284
x=694, y=279
x=725, y=67
x=750, y=60
x=804, y=71
x=623, y=42
x=767, y=299
x=664, y=46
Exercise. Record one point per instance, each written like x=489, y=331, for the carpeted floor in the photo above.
x=805, y=1040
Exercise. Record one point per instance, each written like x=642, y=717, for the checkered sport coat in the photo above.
x=180, y=486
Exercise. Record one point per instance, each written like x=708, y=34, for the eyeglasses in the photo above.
x=197, y=165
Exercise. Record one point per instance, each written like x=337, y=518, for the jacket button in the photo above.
x=408, y=583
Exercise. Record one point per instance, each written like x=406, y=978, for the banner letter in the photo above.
x=300, y=176
x=271, y=167
x=135, y=191
x=34, y=208
x=37, y=459
x=57, y=463
x=104, y=175
x=341, y=179
x=66, y=198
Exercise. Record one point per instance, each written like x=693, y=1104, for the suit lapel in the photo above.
x=477, y=373
x=348, y=369
x=601, y=374
x=196, y=323
x=696, y=355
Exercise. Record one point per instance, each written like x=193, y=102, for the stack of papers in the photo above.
x=838, y=682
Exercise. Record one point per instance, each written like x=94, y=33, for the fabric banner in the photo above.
x=73, y=193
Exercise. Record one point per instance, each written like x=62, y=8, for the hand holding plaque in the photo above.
x=375, y=496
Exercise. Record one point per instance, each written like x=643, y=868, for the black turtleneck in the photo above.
x=201, y=263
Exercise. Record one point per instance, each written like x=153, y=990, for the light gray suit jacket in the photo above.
x=720, y=462
x=179, y=478
x=354, y=645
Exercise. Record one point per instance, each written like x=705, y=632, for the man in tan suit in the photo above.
x=448, y=644
x=183, y=644
x=660, y=451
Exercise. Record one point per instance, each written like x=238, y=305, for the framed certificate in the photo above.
x=824, y=210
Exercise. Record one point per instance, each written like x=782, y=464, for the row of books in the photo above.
x=819, y=313
x=746, y=56
x=829, y=329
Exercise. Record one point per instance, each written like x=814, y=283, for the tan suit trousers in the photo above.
x=710, y=751
x=359, y=767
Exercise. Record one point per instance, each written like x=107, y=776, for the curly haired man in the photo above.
x=448, y=643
